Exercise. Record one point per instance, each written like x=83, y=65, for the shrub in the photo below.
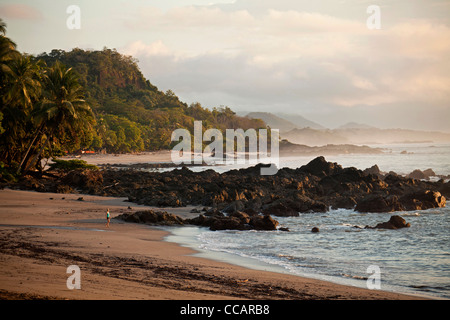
x=68, y=165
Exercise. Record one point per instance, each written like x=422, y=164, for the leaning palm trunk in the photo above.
x=36, y=157
x=30, y=145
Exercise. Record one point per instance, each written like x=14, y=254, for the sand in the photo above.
x=42, y=234
x=128, y=158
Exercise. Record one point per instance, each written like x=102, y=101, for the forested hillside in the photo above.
x=131, y=113
x=88, y=100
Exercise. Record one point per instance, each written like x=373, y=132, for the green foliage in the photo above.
x=7, y=174
x=68, y=165
x=132, y=114
x=62, y=101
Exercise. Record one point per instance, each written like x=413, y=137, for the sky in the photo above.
x=318, y=59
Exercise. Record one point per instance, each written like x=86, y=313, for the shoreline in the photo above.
x=41, y=237
x=260, y=265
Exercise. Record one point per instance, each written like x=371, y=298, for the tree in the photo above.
x=63, y=108
x=21, y=91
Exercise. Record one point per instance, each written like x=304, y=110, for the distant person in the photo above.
x=108, y=218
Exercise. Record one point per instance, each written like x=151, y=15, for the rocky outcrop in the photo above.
x=90, y=180
x=314, y=187
x=151, y=217
x=395, y=222
x=379, y=203
x=235, y=221
x=213, y=219
x=419, y=174
x=417, y=200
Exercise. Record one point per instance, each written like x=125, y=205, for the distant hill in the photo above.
x=284, y=121
x=355, y=125
x=291, y=149
x=299, y=121
x=314, y=137
x=273, y=121
x=359, y=136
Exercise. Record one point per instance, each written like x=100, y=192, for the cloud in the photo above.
x=139, y=48
x=294, y=59
x=21, y=12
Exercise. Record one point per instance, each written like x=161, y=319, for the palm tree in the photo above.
x=21, y=89
x=7, y=53
x=63, y=108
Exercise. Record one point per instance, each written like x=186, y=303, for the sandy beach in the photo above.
x=44, y=233
x=128, y=158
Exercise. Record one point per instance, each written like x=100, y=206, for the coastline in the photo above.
x=42, y=234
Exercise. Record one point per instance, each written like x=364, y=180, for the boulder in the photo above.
x=227, y=223
x=234, y=206
x=417, y=174
x=281, y=208
x=84, y=179
x=375, y=170
x=320, y=167
x=151, y=217
x=242, y=216
x=422, y=200
x=379, y=203
x=429, y=173
x=344, y=203
x=395, y=222
x=263, y=223
x=235, y=221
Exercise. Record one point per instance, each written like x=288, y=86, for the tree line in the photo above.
x=59, y=102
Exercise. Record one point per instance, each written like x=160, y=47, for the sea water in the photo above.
x=413, y=260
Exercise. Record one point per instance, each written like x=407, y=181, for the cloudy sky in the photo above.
x=314, y=58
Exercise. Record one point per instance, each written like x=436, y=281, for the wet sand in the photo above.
x=44, y=233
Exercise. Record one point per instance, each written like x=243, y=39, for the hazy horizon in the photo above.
x=316, y=59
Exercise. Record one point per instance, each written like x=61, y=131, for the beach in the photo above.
x=42, y=234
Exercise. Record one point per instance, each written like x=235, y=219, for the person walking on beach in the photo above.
x=108, y=218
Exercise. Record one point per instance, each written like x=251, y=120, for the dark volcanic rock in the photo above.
x=395, y=222
x=91, y=180
x=263, y=223
x=379, y=203
x=422, y=200
x=417, y=174
x=236, y=221
x=281, y=208
x=320, y=167
x=311, y=188
x=375, y=170
x=151, y=217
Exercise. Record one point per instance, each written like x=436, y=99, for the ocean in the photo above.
x=413, y=260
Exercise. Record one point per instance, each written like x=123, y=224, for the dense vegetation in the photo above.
x=88, y=100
